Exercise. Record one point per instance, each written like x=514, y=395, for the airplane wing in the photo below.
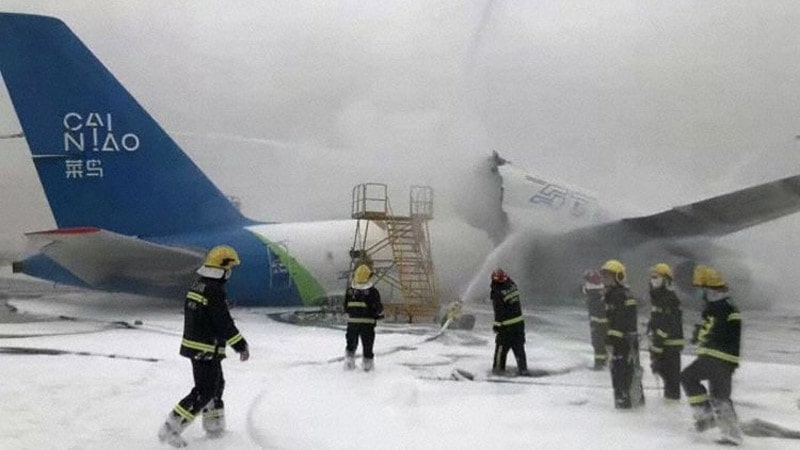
x=717, y=216
x=724, y=214
x=98, y=257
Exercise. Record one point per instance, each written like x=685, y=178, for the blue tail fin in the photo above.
x=102, y=160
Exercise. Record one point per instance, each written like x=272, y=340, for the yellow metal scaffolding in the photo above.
x=401, y=255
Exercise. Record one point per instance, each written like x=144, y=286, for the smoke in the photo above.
x=289, y=105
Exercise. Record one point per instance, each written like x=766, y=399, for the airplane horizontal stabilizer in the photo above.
x=99, y=257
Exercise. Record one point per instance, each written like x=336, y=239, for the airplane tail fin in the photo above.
x=103, y=161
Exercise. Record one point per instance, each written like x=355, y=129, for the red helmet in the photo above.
x=593, y=276
x=499, y=275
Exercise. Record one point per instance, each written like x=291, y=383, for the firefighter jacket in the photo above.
x=507, y=307
x=621, y=314
x=719, y=336
x=207, y=323
x=594, y=303
x=666, y=320
x=363, y=305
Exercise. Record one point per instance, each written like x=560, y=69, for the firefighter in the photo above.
x=665, y=330
x=364, y=308
x=509, y=325
x=718, y=340
x=622, y=337
x=598, y=323
x=207, y=329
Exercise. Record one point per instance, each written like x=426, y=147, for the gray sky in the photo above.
x=650, y=104
x=646, y=90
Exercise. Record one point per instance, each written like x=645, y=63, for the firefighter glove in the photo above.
x=245, y=355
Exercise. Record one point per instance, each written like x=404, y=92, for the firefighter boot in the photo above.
x=214, y=419
x=170, y=431
x=368, y=364
x=622, y=400
x=349, y=361
x=522, y=366
x=599, y=363
x=728, y=423
x=703, y=417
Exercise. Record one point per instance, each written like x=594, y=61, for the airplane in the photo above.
x=135, y=214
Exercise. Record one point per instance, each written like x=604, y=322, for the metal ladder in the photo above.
x=401, y=254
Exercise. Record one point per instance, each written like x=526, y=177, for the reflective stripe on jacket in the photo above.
x=720, y=334
x=363, y=305
x=507, y=308
x=666, y=320
x=620, y=312
x=207, y=324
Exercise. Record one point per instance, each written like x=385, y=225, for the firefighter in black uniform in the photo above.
x=598, y=323
x=665, y=330
x=207, y=329
x=509, y=325
x=718, y=339
x=364, y=308
x=622, y=337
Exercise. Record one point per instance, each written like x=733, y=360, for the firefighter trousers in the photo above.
x=209, y=384
x=364, y=331
x=668, y=367
x=510, y=340
x=624, y=364
x=598, y=331
x=716, y=371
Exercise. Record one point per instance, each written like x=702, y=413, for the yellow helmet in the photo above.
x=705, y=276
x=222, y=257
x=362, y=274
x=661, y=269
x=615, y=267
